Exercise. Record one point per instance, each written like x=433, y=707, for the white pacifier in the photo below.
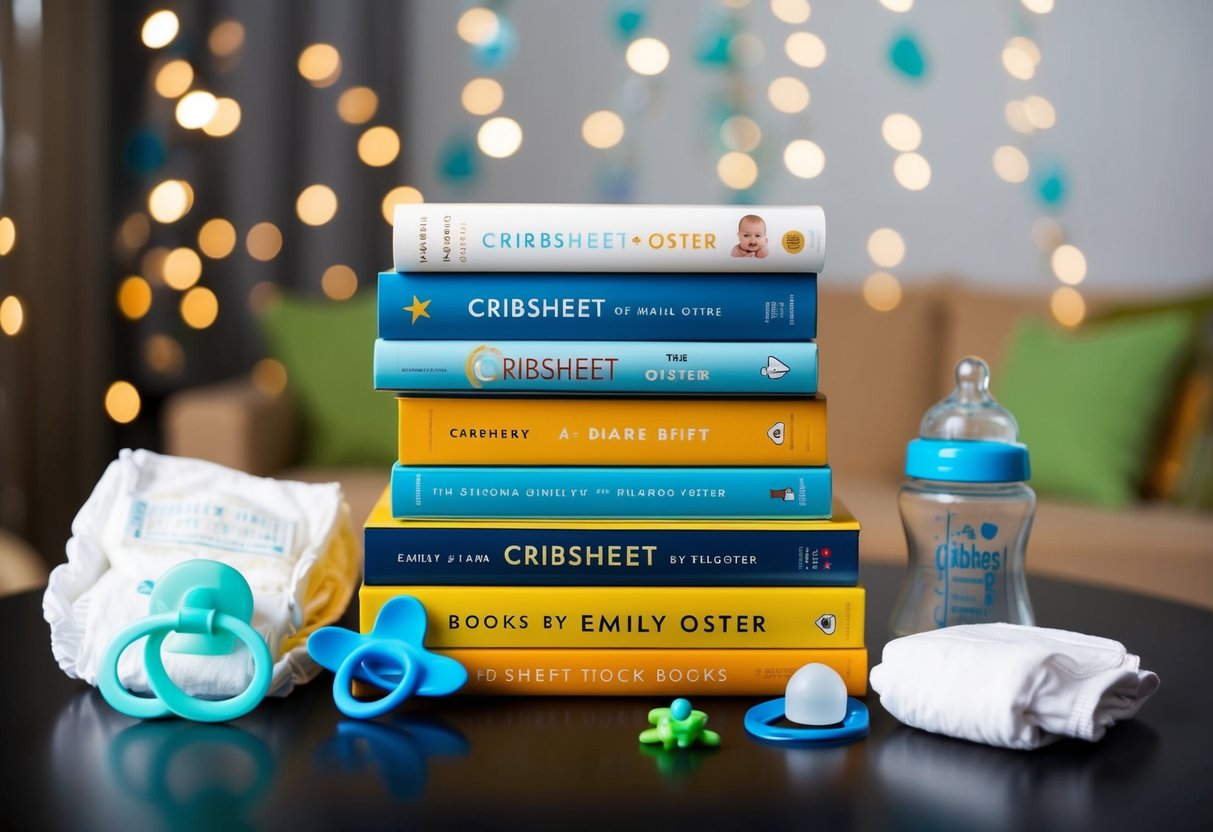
x=816, y=697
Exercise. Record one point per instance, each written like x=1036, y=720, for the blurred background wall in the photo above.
x=168, y=170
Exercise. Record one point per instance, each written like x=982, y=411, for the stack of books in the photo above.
x=612, y=473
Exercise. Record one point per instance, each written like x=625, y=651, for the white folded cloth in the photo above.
x=292, y=541
x=1010, y=685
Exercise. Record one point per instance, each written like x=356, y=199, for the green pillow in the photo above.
x=327, y=348
x=1089, y=402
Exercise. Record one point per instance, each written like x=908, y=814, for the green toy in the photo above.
x=679, y=726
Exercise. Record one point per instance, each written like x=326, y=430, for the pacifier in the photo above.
x=201, y=608
x=816, y=696
x=392, y=656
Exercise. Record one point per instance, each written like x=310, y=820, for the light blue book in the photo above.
x=592, y=367
x=555, y=306
x=482, y=491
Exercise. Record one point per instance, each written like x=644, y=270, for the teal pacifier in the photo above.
x=200, y=608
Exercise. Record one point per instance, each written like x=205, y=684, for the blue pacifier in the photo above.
x=391, y=656
x=201, y=608
x=816, y=696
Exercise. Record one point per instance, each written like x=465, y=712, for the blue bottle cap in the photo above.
x=968, y=436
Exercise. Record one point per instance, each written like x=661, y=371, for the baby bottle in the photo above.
x=967, y=512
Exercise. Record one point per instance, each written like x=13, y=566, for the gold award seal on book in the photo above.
x=793, y=242
x=484, y=365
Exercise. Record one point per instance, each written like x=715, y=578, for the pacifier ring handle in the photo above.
x=361, y=658
x=760, y=718
x=204, y=710
x=111, y=687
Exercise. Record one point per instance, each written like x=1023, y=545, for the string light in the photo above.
x=316, y=204
x=901, y=132
x=737, y=170
x=1069, y=264
x=402, y=194
x=174, y=78
x=225, y=119
x=647, y=56
x=805, y=49
x=134, y=297
x=886, y=248
x=499, y=137
x=788, y=94
x=794, y=12
x=195, y=109
x=912, y=171
x=603, y=129
x=160, y=29
x=478, y=26
x=182, y=268
x=122, y=402
x=199, y=307
x=8, y=235
x=320, y=64
x=482, y=96
x=12, y=315
x=379, y=146
x=357, y=105
x=216, y=238
x=170, y=200
x=804, y=158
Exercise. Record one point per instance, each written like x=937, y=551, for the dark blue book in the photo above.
x=586, y=306
x=649, y=552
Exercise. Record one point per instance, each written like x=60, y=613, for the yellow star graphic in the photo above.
x=418, y=308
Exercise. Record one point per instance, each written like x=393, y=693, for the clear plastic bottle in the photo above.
x=967, y=512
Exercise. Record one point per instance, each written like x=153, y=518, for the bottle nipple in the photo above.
x=969, y=411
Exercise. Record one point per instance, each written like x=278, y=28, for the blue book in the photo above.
x=586, y=306
x=648, y=552
x=610, y=492
x=589, y=367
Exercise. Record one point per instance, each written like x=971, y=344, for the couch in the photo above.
x=880, y=370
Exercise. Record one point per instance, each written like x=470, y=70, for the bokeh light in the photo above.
x=199, y=307
x=401, y=194
x=320, y=64
x=174, y=78
x=269, y=376
x=1047, y=233
x=225, y=120
x=1067, y=306
x=379, y=146
x=898, y=5
x=1038, y=6
x=901, y=132
x=747, y=49
x=737, y=170
x=1017, y=117
x=1020, y=57
x=170, y=200
x=12, y=315
x=740, y=133
x=1069, y=264
x=357, y=105
x=794, y=12
x=8, y=235
x=122, y=403
x=316, y=204
x=226, y=38
x=339, y=282
x=160, y=29
x=886, y=248
x=134, y=297
x=647, y=56
x=805, y=49
x=263, y=241
x=882, y=291
x=195, y=109
x=602, y=129
x=163, y=355
x=478, y=26
x=1039, y=112
x=482, y=96
x=912, y=171
x=1011, y=164
x=151, y=264
x=182, y=268
x=499, y=137
x=134, y=232
x=788, y=94
x=217, y=238
x=263, y=297
x=804, y=158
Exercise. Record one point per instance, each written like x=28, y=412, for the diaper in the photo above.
x=292, y=541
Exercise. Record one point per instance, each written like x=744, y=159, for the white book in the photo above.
x=525, y=237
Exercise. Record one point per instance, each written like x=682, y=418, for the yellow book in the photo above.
x=641, y=672
x=645, y=616
x=614, y=431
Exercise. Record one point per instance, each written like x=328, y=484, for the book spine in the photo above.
x=639, y=672
x=774, y=553
x=592, y=367
x=608, y=491
x=679, y=238
x=598, y=307
x=651, y=617
x=612, y=431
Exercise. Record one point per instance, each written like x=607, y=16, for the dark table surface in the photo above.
x=71, y=762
